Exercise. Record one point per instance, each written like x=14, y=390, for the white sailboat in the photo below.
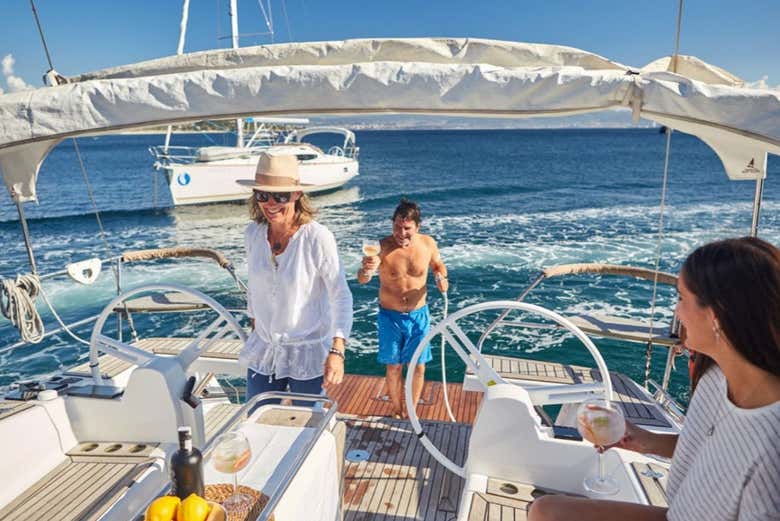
x=118, y=413
x=208, y=174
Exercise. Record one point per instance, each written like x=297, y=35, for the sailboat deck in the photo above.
x=79, y=489
x=635, y=407
x=363, y=396
x=110, y=366
x=400, y=479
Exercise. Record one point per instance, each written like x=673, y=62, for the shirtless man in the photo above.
x=403, y=318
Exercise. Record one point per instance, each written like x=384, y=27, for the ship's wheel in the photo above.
x=456, y=338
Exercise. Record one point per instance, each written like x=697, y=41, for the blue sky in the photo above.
x=83, y=35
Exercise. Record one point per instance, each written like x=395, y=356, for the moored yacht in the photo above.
x=208, y=174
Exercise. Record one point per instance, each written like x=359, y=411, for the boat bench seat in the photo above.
x=504, y=500
x=636, y=408
x=652, y=479
x=43, y=481
x=110, y=367
x=625, y=328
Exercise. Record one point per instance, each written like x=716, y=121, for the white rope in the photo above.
x=17, y=303
x=662, y=209
x=444, y=365
x=59, y=320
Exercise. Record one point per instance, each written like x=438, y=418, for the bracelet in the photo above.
x=334, y=351
x=439, y=277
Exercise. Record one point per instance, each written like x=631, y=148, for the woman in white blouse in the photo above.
x=298, y=298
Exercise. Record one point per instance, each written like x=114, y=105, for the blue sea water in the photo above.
x=502, y=204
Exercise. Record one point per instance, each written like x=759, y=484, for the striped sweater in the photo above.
x=726, y=465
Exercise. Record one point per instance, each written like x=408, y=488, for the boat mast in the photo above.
x=185, y=11
x=234, y=39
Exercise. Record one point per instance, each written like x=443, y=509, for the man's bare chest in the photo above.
x=402, y=264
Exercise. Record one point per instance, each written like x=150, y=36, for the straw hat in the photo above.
x=277, y=173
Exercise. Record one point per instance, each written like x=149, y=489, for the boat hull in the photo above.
x=215, y=181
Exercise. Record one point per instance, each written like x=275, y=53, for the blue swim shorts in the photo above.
x=400, y=333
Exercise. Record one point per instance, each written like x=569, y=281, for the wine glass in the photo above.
x=600, y=422
x=232, y=453
x=371, y=249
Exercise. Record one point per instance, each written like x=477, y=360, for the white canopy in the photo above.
x=464, y=77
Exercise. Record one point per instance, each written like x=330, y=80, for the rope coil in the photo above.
x=17, y=304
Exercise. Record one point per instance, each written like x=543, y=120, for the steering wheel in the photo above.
x=222, y=325
x=335, y=151
x=471, y=356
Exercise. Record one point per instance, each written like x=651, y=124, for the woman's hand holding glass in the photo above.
x=601, y=423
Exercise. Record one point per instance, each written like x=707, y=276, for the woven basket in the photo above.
x=221, y=491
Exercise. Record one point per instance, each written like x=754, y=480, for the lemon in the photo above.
x=193, y=508
x=162, y=509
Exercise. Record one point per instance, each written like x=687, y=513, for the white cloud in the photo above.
x=15, y=83
x=8, y=64
x=762, y=83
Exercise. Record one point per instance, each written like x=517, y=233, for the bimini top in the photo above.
x=464, y=77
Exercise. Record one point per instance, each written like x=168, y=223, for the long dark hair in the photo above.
x=740, y=280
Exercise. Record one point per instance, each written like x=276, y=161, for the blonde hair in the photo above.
x=304, y=211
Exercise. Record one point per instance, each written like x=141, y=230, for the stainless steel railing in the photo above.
x=289, y=475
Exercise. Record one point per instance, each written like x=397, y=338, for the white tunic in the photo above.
x=726, y=464
x=299, y=300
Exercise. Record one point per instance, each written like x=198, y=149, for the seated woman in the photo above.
x=726, y=461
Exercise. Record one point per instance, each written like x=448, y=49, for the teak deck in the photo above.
x=363, y=396
x=400, y=480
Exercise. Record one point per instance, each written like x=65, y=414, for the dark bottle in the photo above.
x=186, y=467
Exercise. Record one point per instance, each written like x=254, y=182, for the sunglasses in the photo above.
x=279, y=197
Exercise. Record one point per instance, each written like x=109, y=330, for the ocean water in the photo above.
x=501, y=204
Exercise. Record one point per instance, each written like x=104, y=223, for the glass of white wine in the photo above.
x=232, y=453
x=371, y=249
x=600, y=422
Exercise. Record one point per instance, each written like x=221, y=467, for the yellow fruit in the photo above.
x=193, y=508
x=162, y=509
x=217, y=513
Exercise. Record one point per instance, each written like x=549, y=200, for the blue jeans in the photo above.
x=257, y=383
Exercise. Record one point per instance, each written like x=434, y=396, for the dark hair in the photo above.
x=740, y=280
x=701, y=363
x=407, y=209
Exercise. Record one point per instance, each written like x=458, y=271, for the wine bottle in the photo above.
x=186, y=467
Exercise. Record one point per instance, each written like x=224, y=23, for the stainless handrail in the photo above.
x=22, y=343
x=118, y=259
x=300, y=458
x=667, y=402
x=63, y=272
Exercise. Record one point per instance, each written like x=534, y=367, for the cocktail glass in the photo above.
x=601, y=423
x=232, y=453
